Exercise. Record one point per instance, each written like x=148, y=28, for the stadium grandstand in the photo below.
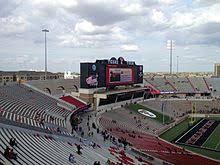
x=195, y=86
x=112, y=114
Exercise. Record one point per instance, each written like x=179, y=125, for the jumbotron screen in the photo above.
x=110, y=73
x=119, y=76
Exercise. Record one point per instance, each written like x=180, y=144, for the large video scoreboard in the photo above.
x=119, y=76
x=108, y=73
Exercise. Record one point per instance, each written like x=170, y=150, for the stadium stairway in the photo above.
x=166, y=80
x=191, y=84
x=206, y=83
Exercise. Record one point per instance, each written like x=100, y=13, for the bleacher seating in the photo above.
x=160, y=83
x=199, y=84
x=28, y=96
x=42, y=144
x=214, y=84
x=182, y=84
x=34, y=148
x=21, y=108
x=130, y=121
x=181, y=107
x=22, y=104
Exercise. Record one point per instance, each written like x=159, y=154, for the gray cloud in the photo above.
x=205, y=34
x=207, y=28
x=100, y=14
x=7, y=7
x=87, y=26
x=206, y=2
x=108, y=12
x=149, y=3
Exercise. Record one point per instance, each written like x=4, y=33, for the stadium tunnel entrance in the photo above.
x=47, y=90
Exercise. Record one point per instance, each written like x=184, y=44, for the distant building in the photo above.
x=217, y=69
x=60, y=75
x=12, y=76
x=69, y=75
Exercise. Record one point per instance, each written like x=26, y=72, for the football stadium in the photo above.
x=111, y=114
x=109, y=82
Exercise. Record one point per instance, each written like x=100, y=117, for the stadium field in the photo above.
x=213, y=141
x=177, y=130
x=159, y=116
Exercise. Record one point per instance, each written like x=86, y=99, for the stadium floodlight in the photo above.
x=45, y=41
x=171, y=46
x=177, y=64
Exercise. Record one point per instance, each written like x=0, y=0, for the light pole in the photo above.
x=177, y=64
x=170, y=46
x=45, y=40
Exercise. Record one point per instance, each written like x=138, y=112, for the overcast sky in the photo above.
x=85, y=30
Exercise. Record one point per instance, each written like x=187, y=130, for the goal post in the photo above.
x=193, y=112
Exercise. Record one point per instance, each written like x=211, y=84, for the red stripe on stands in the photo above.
x=73, y=101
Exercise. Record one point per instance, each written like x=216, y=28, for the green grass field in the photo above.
x=159, y=116
x=172, y=133
x=214, y=139
x=212, y=142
